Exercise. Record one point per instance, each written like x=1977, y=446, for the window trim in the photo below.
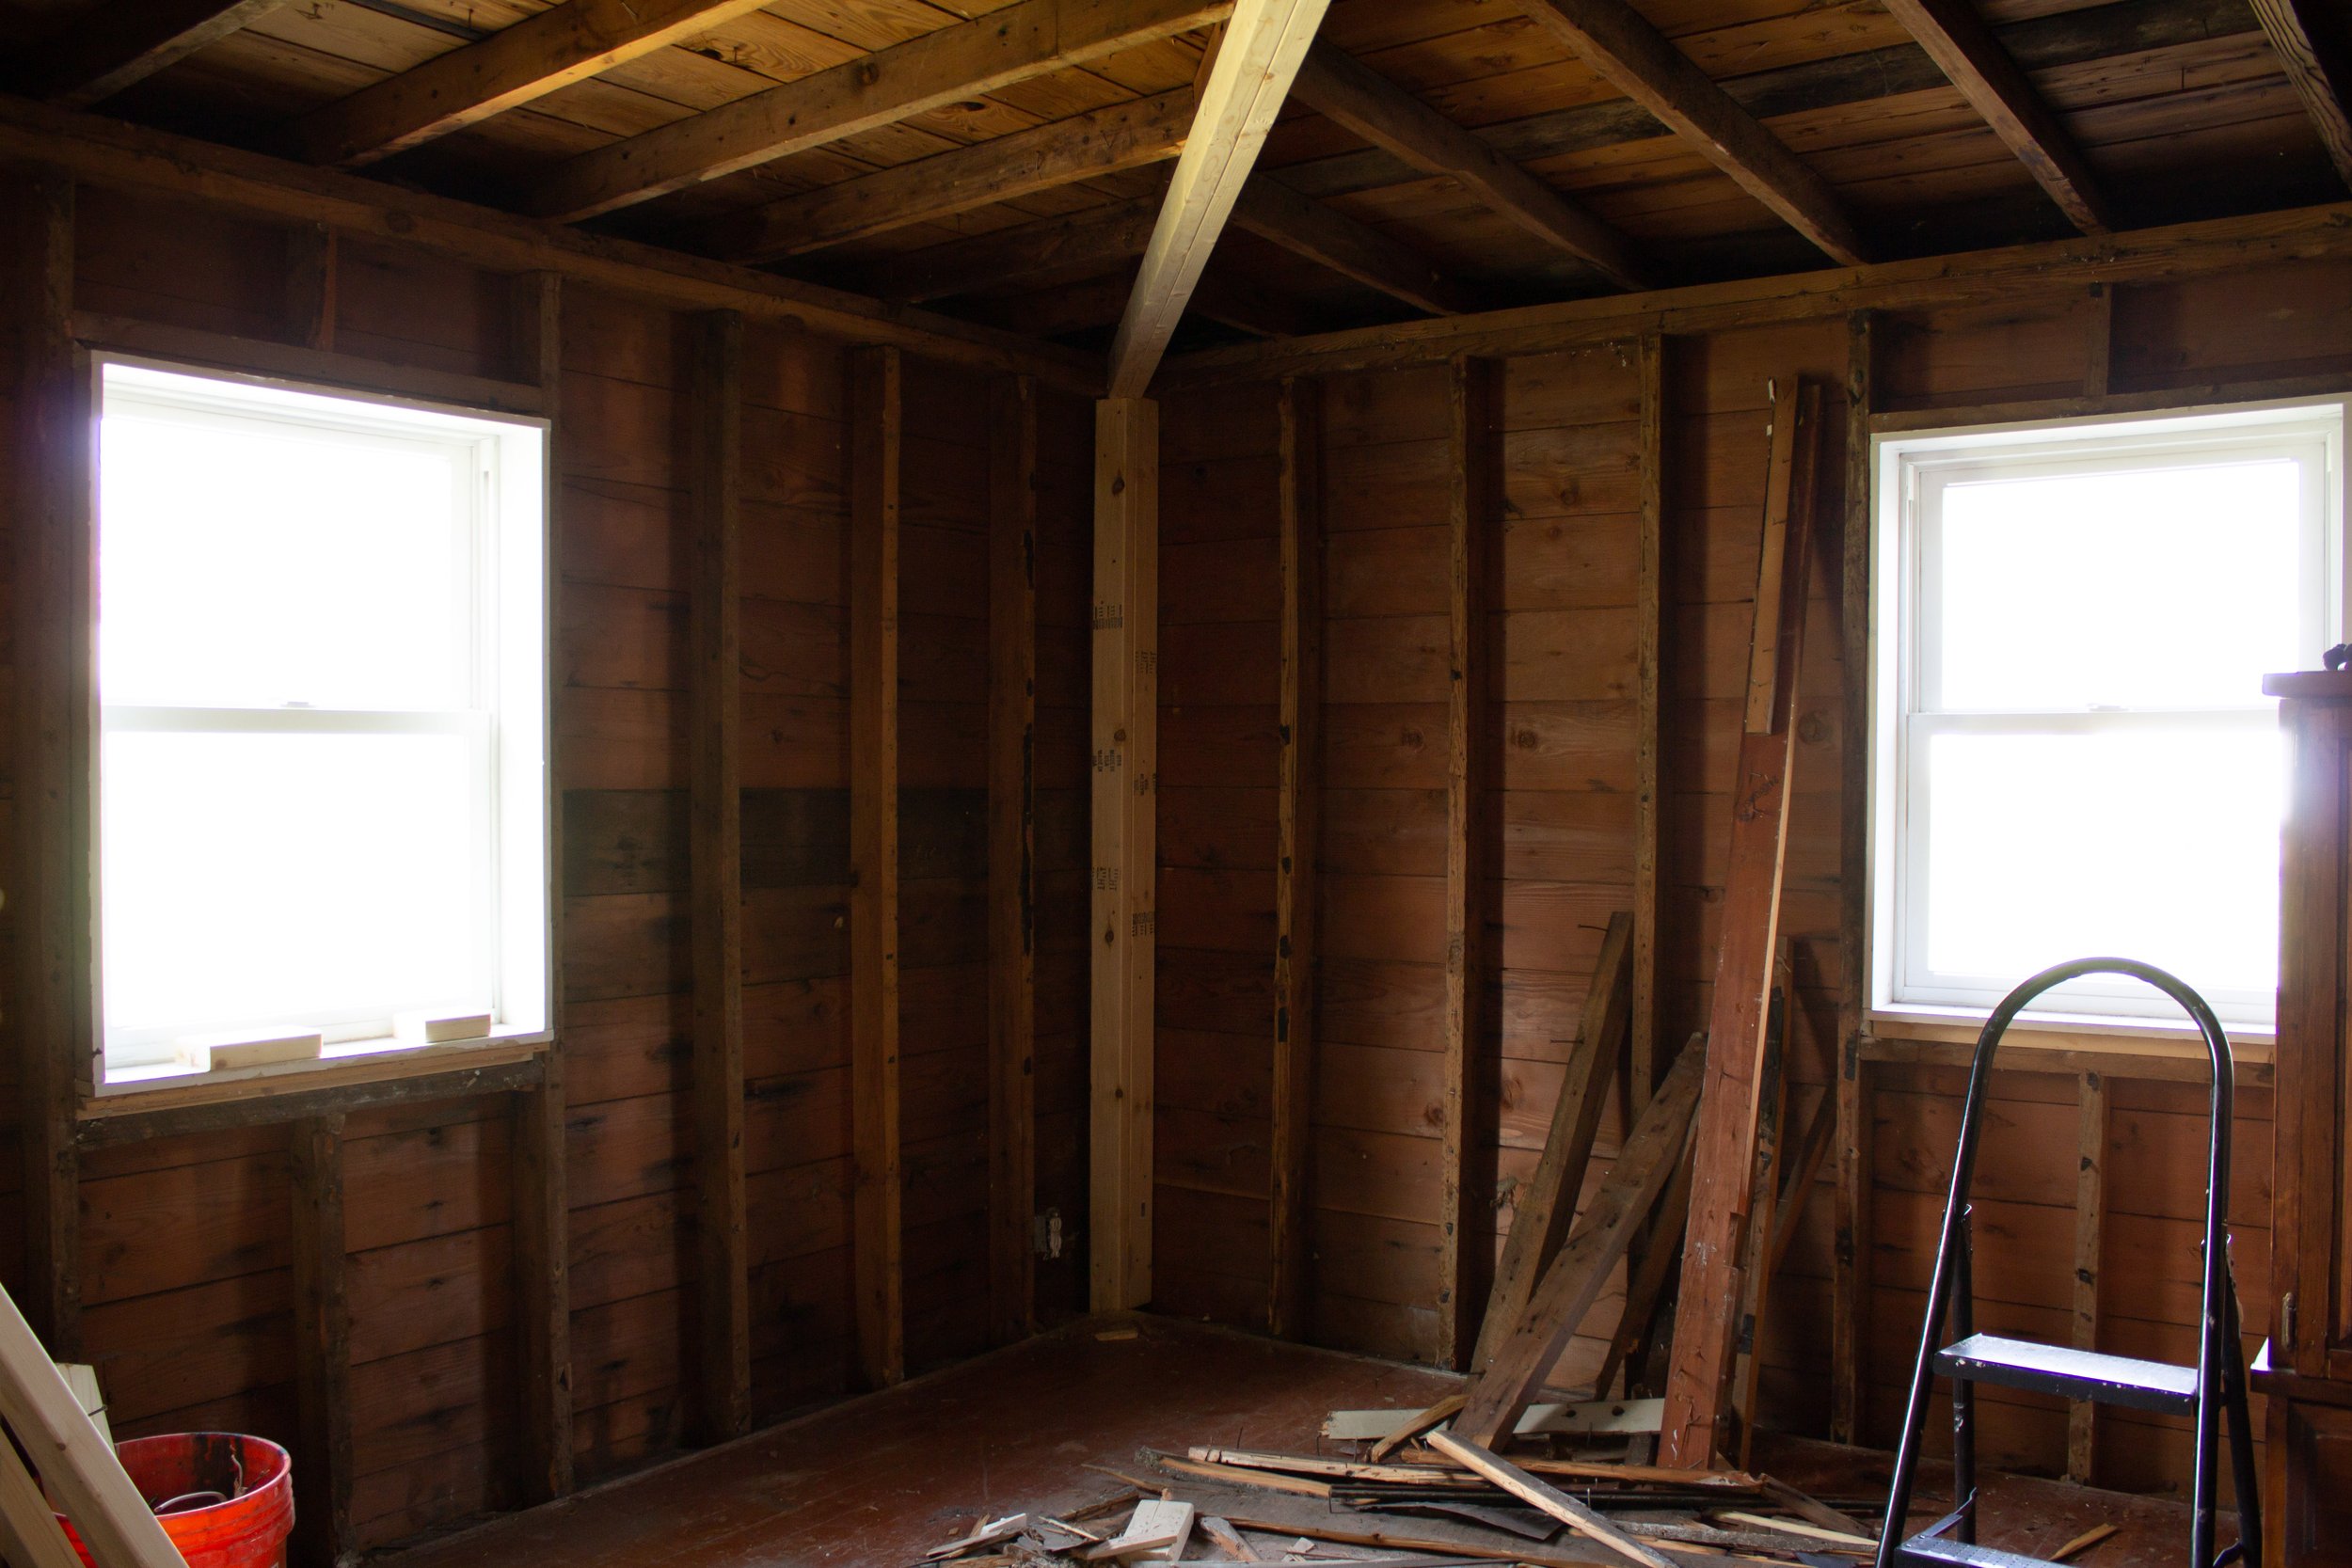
x=377, y=1058
x=1890, y=656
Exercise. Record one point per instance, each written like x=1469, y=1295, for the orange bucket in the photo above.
x=251, y=1478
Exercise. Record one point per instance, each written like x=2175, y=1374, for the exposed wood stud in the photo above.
x=1012, y=853
x=52, y=1012
x=311, y=281
x=1649, y=650
x=1124, y=901
x=2099, y=343
x=2091, y=1203
x=1323, y=234
x=715, y=830
x=1473, y=462
x=1103, y=141
x=1346, y=90
x=875, y=442
x=2315, y=60
x=543, y=1295
x=969, y=61
x=1729, y=1114
x=520, y=62
x=1243, y=88
x=105, y=51
x=1849, y=1295
x=1297, y=806
x=322, y=1314
x=1956, y=35
x=1643, y=63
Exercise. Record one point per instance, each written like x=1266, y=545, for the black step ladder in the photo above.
x=2216, y=1383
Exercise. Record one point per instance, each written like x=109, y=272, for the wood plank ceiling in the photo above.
x=1004, y=159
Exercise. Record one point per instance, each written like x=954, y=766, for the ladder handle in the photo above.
x=1939, y=1289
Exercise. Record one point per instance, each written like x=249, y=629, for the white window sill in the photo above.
x=369, y=1061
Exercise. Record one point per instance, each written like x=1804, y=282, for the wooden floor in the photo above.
x=877, y=1481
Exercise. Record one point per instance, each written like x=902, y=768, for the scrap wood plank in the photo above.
x=1418, y=1423
x=76, y=1464
x=1648, y=1286
x=1156, y=1532
x=1706, y=1311
x=29, y=1533
x=1643, y=1167
x=1763, y=1203
x=1592, y=1416
x=1550, y=1500
x=1229, y=1539
x=1540, y=1221
x=1234, y=1474
x=985, y=1534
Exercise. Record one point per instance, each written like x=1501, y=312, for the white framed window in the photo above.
x=2070, y=752
x=321, y=755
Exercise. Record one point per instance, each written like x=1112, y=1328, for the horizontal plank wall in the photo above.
x=190, y=1290
x=1566, y=730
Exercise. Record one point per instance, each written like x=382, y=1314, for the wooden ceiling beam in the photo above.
x=1073, y=243
x=1961, y=42
x=2313, y=60
x=1261, y=49
x=1345, y=90
x=965, y=60
x=1105, y=141
x=1273, y=211
x=528, y=60
x=1644, y=64
x=110, y=46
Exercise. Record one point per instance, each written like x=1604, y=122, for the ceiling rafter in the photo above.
x=1074, y=245
x=1644, y=64
x=1273, y=211
x=1350, y=92
x=1105, y=141
x=528, y=59
x=1256, y=59
x=105, y=51
x=2316, y=62
x=967, y=60
x=1959, y=41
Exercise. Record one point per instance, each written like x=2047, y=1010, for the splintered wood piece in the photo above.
x=1229, y=1539
x=1155, y=1532
x=983, y=1534
x=2083, y=1542
x=1790, y=1527
x=1574, y=1281
x=1233, y=1475
x=1706, y=1311
x=1549, y=1498
x=1811, y=1508
x=1415, y=1425
x=1540, y=1219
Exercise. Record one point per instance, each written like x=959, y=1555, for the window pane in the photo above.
x=250, y=563
x=259, y=876
x=2162, y=846
x=2176, y=588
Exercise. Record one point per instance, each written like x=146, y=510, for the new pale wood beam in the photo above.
x=1961, y=42
x=1384, y=114
x=1122, y=137
x=1029, y=39
x=529, y=60
x=1644, y=64
x=2314, y=61
x=113, y=45
x=1263, y=46
x=1272, y=211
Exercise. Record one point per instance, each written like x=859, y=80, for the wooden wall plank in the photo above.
x=322, y=1313
x=1012, y=535
x=541, y=1211
x=50, y=899
x=1848, y=1308
x=1649, y=629
x=311, y=278
x=1125, y=819
x=876, y=440
x=715, y=815
x=1298, y=799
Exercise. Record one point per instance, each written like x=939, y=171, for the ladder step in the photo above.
x=2078, y=1374
x=1956, y=1554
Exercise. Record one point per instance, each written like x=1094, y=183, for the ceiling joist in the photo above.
x=970, y=59
x=1957, y=37
x=1644, y=64
x=1074, y=245
x=2314, y=61
x=528, y=60
x=1272, y=211
x=1344, y=90
x=110, y=47
x=1122, y=137
x=1263, y=46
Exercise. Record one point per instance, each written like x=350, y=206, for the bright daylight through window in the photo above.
x=2073, y=755
x=323, y=754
